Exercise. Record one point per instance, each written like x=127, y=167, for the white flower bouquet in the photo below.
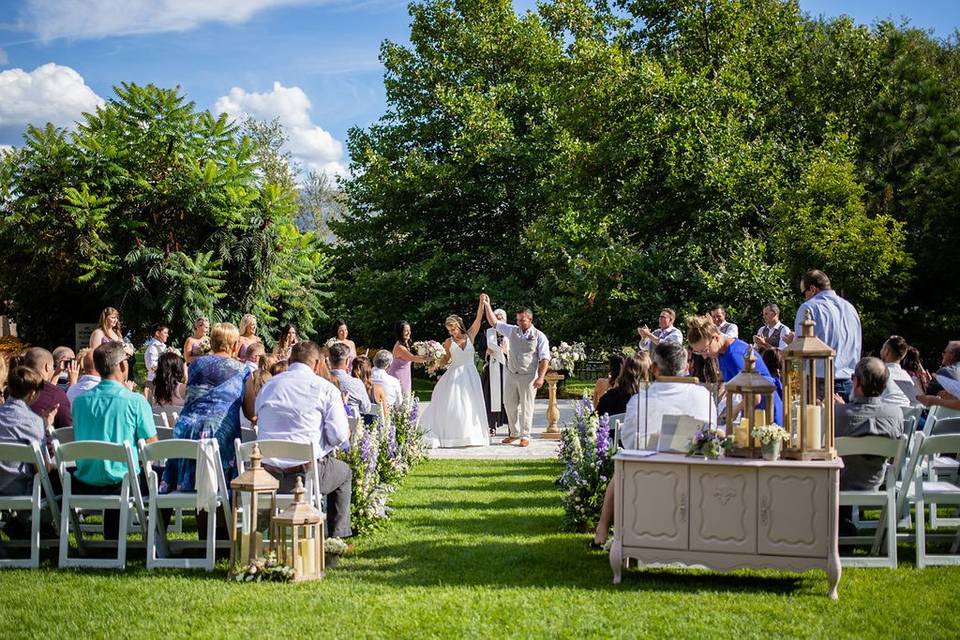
x=433, y=351
x=566, y=356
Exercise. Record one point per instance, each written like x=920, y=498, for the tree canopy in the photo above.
x=601, y=160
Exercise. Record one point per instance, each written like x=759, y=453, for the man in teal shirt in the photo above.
x=112, y=413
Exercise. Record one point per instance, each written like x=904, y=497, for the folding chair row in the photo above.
x=25, y=454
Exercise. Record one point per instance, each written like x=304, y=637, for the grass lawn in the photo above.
x=474, y=550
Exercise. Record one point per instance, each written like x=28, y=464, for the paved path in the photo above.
x=539, y=447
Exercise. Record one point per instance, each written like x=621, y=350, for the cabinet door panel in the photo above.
x=793, y=512
x=656, y=506
x=723, y=509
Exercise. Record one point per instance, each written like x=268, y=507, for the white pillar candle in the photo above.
x=812, y=436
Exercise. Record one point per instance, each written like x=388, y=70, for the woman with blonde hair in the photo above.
x=248, y=334
x=197, y=344
x=707, y=341
x=215, y=388
x=456, y=415
x=108, y=328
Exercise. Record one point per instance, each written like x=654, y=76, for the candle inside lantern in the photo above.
x=244, y=547
x=258, y=544
x=308, y=555
x=741, y=433
x=812, y=436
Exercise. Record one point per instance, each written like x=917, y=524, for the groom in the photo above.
x=526, y=367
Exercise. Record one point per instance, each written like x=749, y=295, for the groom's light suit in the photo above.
x=527, y=349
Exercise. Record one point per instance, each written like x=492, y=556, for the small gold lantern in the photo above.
x=297, y=535
x=250, y=490
x=753, y=388
x=808, y=410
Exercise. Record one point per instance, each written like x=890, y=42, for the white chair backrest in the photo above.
x=91, y=450
x=617, y=416
x=248, y=434
x=170, y=449
x=63, y=435
x=301, y=451
x=945, y=426
x=932, y=445
x=892, y=448
x=160, y=420
x=165, y=433
x=30, y=454
x=676, y=433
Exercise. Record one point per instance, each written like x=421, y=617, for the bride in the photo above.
x=456, y=415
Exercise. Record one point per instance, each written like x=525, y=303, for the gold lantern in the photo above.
x=297, y=536
x=753, y=388
x=250, y=490
x=808, y=407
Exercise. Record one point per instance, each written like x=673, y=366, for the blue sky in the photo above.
x=313, y=63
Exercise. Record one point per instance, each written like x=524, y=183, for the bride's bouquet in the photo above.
x=433, y=351
x=565, y=357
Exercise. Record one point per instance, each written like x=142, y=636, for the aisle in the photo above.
x=539, y=449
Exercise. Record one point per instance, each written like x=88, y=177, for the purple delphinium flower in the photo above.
x=603, y=442
x=392, y=442
x=365, y=447
x=414, y=410
x=605, y=421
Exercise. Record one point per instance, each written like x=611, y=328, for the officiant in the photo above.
x=493, y=374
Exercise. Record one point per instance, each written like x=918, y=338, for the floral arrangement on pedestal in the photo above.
x=709, y=443
x=566, y=356
x=771, y=437
x=433, y=351
x=586, y=451
x=379, y=457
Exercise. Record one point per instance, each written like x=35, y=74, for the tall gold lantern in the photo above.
x=752, y=387
x=250, y=490
x=808, y=408
x=297, y=536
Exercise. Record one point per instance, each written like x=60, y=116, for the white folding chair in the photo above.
x=63, y=435
x=67, y=454
x=178, y=500
x=885, y=497
x=160, y=420
x=165, y=433
x=934, y=492
x=248, y=434
x=676, y=432
x=26, y=454
x=303, y=452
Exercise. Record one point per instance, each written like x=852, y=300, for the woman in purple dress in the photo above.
x=403, y=357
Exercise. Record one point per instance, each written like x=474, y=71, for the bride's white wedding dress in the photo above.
x=456, y=415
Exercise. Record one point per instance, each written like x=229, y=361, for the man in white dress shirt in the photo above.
x=89, y=378
x=390, y=385
x=773, y=334
x=665, y=397
x=719, y=315
x=666, y=333
x=155, y=347
x=526, y=367
x=300, y=406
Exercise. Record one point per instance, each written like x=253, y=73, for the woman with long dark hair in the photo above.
x=404, y=357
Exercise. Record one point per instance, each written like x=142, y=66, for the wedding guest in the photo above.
x=900, y=388
x=665, y=396
x=913, y=365
x=215, y=386
x=254, y=354
x=66, y=369
x=614, y=364
x=196, y=345
x=949, y=368
x=403, y=357
x=836, y=323
x=279, y=367
x=666, y=333
x=108, y=329
x=865, y=415
x=707, y=373
x=393, y=393
x=88, y=379
x=4, y=373
x=155, y=347
x=495, y=356
x=357, y=395
x=109, y=412
x=20, y=424
x=169, y=392
x=248, y=334
x=634, y=372
x=362, y=370
x=773, y=358
x=51, y=396
x=707, y=341
x=255, y=382
x=285, y=342
x=773, y=334
x=300, y=405
x=340, y=334
x=719, y=316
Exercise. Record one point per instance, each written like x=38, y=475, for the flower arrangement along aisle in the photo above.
x=379, y=457
x=586, y=451
x=566, y=356
x=433, y=351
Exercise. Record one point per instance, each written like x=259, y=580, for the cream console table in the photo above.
x=726, y=514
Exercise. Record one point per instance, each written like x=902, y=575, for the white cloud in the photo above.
x=4, y=148
x=309, y=143
x=4, y=58
x=49, y=93
x=98, y=18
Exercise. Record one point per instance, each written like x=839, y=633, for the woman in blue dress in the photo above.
x=707, y=341
x=215, y=386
